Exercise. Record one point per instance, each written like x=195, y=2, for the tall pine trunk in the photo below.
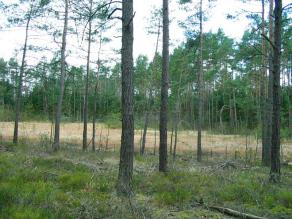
x=200, y=88
x=149, y=104
x=290, y=101
x=20, y=81
x=263, y=97
x=56, y=144
x=124, y=185
x=275, y=150
x=164, y=91
x=85, y=104
x=95, y=95
x=266, y=150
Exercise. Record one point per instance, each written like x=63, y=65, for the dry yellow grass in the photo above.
x=72, y=132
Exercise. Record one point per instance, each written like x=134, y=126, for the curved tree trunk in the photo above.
x=19, y=90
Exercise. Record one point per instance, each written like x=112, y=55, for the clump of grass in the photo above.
x=44, y=141
x=284, y=198
x=75, y=181
x=27, y=212
x=175, y=188
x=58, y=164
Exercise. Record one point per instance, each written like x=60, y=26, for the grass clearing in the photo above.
x=71, y=134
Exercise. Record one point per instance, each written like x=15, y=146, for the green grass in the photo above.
x=39, y=184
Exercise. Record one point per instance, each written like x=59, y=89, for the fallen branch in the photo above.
x=234, y=213
x=227, y=211
x=223, y=166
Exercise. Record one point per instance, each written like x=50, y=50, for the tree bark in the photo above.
x=19, y=89
x=155, y=137
x=275, y=150
x=263, y=97
x=171, y=136
x=85, y=104
x=200, y=90
x=124, y=185
x=56, y=144
x=262, y=88
x=266, y=149
x=290, y=102
x=164, y=91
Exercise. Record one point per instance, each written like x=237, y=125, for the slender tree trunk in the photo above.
x=74, y=98
x=155, y=137
x=157, y=39
x=148, y=109
x=231, y=113
x=56, y=144
x=19, y=89
x=164, y=91
x=209, y=110
x=93, y=123
x=290, y=111
x=200, y=90
x=275, y=150
x=235, y=111
x=263, y=105
x=107, y=138
x=85, y=106
x=45, y=88
x=221, y=120
x=176, y=118
x=171, y=136
x=266, y=147
x=150, y=96
x=176, y=121
x=124, y=185
x=290, y=101
x=95, y=95
x=144, y=132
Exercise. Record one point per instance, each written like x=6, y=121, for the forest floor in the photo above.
x=37, y=183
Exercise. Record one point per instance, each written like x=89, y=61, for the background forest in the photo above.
x=232, y=76
x=200, y=129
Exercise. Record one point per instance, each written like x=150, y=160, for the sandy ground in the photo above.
x=72, y=133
